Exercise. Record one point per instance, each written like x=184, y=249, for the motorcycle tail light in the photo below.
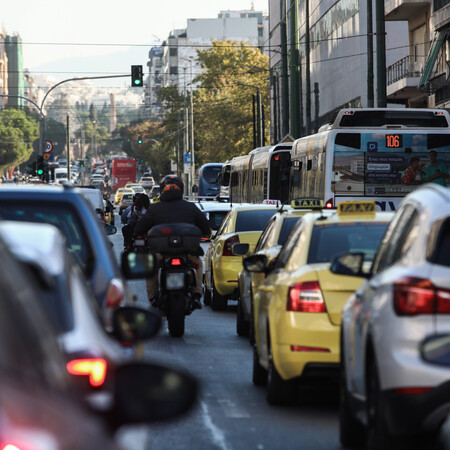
x=175, y=262
x=115, y=293
x=228, y=245
x=414, y=296
x=305, y=297
x=94, y=368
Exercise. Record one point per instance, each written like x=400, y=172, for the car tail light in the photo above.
x=303, y=348
x=414, y=296
x=329, y=203
x=228, y=245
x=94, y=368
x=305, y=297
x=115, y=293
x=412, y=390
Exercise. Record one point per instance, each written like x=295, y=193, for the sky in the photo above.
x=77, y=32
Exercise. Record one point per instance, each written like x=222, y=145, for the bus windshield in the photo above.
x=389, y=163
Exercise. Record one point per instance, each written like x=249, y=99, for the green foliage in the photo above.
x=18, y=130
x=223, y=105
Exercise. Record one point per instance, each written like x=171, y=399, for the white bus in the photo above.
x=380, y=154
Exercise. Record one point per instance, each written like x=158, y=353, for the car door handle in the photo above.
x=267, y=288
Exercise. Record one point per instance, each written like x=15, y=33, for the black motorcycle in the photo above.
x=172, y=243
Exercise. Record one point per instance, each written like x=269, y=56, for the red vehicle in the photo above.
x=122, y=171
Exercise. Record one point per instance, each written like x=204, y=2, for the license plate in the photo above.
x=174, y=281
x=139, y=242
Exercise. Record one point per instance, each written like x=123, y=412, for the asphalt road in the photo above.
x=231, y=413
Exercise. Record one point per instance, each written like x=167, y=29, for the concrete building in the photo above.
x=16, y=81
x=3, y=70
x=318, y=61
x=174, y=63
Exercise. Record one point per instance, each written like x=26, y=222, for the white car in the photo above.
x=389, y=388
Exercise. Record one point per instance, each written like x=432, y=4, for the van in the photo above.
x=61, y=174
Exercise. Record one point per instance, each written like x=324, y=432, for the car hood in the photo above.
x=336, y=289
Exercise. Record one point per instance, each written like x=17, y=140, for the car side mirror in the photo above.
x=109, y=229
x=240, y=249
x=349, y=264
x=132, y=324
x=138, y=265
x=146, y=393
x=255, y=263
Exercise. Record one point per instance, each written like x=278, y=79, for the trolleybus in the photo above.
x=379, y=154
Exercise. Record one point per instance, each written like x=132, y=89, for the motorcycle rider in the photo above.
x=173, y=209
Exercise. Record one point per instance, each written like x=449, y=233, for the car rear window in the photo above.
x=286, y=228
x=62, y=215
x=330, y=240
x=254, y=220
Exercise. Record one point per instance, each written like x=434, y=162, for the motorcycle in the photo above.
x=173, y=243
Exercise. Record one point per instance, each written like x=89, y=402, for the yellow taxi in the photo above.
x=269, y=243
x=297, y=308
x=242, y=224
x=137, y=188
x=119, y=193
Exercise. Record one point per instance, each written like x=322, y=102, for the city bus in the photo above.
x=380, y=154
x=208, y=180
x=123, y=170
x=262, y=175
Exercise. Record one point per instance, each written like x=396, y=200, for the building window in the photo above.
x=173, y=51
x=174, y=70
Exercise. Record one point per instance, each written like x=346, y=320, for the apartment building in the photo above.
x=16, y=81
x=174, y=62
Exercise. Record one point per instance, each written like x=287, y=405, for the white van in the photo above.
x=61, y=174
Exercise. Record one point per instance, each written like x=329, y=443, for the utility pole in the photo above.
x=284, y=70
x=308, y=72
x=192, y=132
x=295, y=73
x=381, y=54
x=68, y=148
x=186, y=138
x=370, y=96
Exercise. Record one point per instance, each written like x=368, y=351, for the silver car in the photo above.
x=389, y=390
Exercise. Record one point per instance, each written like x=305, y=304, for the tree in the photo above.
x=223, y=112
x=18, y=130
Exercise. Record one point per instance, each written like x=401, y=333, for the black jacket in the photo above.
x=175, y=211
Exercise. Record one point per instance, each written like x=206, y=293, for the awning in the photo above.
x=432, y=56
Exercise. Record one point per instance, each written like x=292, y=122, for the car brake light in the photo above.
x=414, y=296
x=302, y=348
x=175, y=262
x=412, y=390
x=305, y=297
x=329, y=203
x=95, y=368
x=115, y=293
x=228, y=245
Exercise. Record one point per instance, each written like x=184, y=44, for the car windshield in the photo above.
x=330, y=240
x=254, y=220
x=59, y=214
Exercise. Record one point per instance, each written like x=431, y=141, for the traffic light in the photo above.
x=40, y=166
x=136, y=76
x=140, y=140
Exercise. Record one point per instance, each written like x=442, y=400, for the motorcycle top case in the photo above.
x=174, y=238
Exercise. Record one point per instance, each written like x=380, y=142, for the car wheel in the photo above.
x=259, y=373
x=378, y=435
x=242, y=326
x=218, y=302
x=207, y=296
x=279, y=391
x=351, y=432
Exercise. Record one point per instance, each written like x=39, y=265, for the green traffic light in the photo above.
x=40, y=172
x=137, y=82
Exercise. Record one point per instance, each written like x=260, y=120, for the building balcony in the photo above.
x=402, y=83
x=442, y=95
x=441, y=14
x=404, y=9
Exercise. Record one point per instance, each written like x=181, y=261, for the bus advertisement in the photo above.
x=122, y=171
x=380, y=154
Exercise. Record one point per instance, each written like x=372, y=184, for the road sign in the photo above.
x=48, y=146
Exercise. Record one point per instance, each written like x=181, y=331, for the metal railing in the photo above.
x=439, y=4
x=442, y=94
x=399, y=70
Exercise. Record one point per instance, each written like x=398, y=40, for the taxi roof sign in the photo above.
x=307, y=203
x=357, y=207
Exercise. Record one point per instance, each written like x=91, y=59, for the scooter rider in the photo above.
x=173, y=209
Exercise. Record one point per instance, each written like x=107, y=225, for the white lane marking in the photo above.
x=217, y=434
x=232, y=410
